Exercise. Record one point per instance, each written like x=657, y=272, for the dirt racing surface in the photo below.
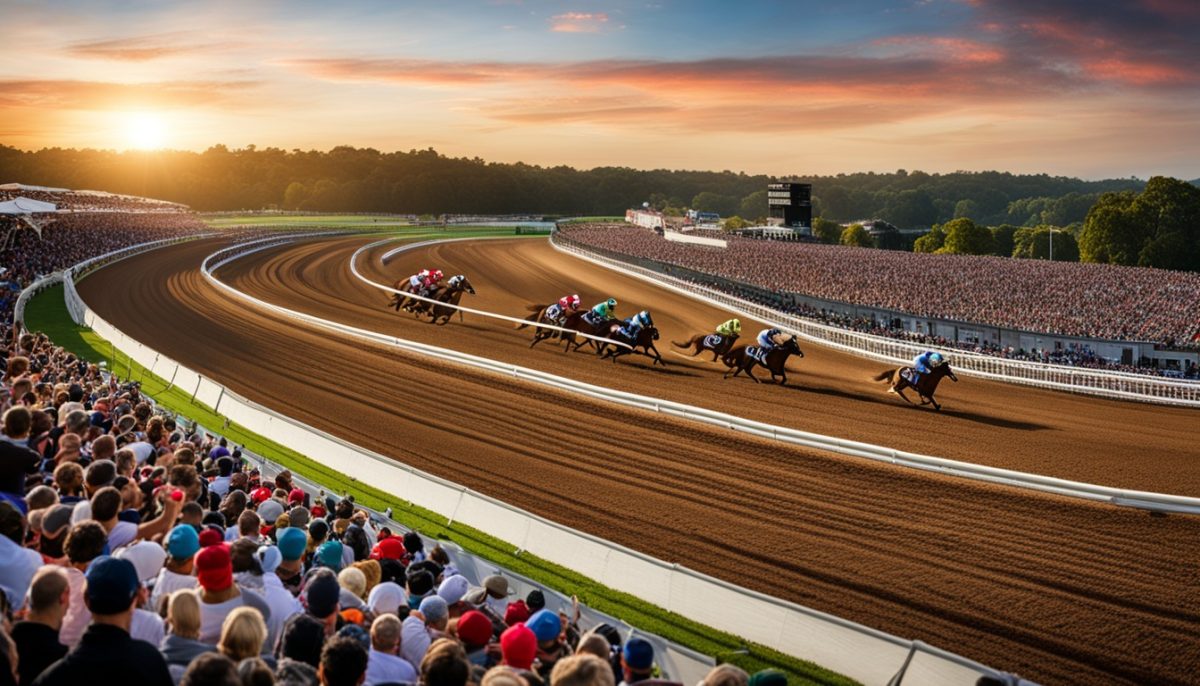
x=1058, y=590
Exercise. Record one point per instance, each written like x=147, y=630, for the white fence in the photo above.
x=865, y=654
x=1120, y=385
x=679, y=237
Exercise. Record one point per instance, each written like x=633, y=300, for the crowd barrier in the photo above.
x=1120, y=385
x=870, y=656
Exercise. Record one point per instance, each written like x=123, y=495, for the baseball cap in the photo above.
x=183, y=541
x=387, y=597
x=475, y=628
x=214, y=568
x=453, y=589
x=147, y=558
x=639, y=654
x=496, y=584
x=516, y=613
x=545, y=624
x=112, y=585
x=388, y=549
x=292, y=542
x=434, y=608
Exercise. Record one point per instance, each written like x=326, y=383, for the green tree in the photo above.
x=965, y=237
x=1002, y=240
x=1035, y=243
x=295, y=195
x=826, y=231
x=1114, y=231
x=910, y=209
x=734, y=223
x=855, y=235
x=932, y=241
x=754, y=205
x=724, y=205
x=966, y=208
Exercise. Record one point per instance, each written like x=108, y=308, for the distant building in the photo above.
x=789, y=204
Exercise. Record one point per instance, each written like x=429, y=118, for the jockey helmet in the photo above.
x=612, y=302
x=736, y=326
x=643, y=318
x=936, y=359
x=437, y=274
x=573, y=302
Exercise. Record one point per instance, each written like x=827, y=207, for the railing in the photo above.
x=1120, y=385
x=860, y=652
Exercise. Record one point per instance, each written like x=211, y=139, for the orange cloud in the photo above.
x=141, y=48
x=578, y=22
x=99, y=95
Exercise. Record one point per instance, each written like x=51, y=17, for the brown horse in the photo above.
x=713, y=342
x=901, y=378
x=398, y=299
x=540, y=316
x=577, y=322
x=645, y=340
x=740, y=360
x=447, y=300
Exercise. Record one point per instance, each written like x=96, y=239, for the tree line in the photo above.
x=1135, y=223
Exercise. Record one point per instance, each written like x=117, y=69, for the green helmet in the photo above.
x=612, y=302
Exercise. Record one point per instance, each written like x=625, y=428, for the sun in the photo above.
x=145, y=131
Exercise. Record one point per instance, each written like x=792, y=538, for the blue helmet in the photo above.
x=643, y=318
x=936, y=359
x=612, y=302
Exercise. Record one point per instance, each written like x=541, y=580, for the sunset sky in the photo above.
x=1093, y=88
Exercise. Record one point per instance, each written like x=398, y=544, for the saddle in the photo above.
x=714, y=340
x=757, y=353
x=909, y=374
x=590, y=318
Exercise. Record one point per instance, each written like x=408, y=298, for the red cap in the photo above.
x=214, y=569
x=516, y=613
x=518, y=646
x=388, y=549
x=474, y=628
x=210, y=537
x=296, y=496
x=260, y=494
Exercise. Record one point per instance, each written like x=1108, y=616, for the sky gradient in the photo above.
x=1094, y=88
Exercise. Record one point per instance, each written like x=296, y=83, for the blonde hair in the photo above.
x=242, y=634
x=726, y=675
x=582, y=670
x=353, y=580
x=183, y=612
x=502, y=676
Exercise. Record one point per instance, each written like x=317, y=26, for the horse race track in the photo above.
x=1061, y=591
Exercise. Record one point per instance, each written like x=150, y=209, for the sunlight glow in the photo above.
x=145, y=131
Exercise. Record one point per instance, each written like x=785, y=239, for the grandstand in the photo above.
x=1079, y=314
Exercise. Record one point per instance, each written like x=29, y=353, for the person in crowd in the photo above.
x=243, y=634
x=343, y=662
x=181, y=644
x=637, y=661
x=384, y=664
x=36, y=637
x=219, y=595
x=728, y=675
x=106, y=653
x=445, y=664
x=211, y=669
x=583, y=670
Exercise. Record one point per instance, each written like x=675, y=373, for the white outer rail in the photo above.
x=868, y=655
x=1119, y=385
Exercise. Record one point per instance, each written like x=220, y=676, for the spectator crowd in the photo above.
x=89, y=201
x=1059, y=298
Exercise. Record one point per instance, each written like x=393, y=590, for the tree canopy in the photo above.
x=1159, y=227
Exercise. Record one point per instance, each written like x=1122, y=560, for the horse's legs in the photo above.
x=900, y=392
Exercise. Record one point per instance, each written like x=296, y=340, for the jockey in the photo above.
x=731, y=328
x=925, y=363
x=557, y=312
x=455, y=280
x=633, y=325
x=431, y=280
x=605, y=311
x=767, y=340
x=417, y=279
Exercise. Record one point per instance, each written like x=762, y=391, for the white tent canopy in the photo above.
x=26, y=206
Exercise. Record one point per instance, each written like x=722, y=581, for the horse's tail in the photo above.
x=685, y=344
x=885, y=375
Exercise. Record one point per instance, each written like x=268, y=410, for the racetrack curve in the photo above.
x=1059, y=590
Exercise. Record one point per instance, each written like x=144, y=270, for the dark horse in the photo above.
x=447, y=299
x=399, y=299
x=577, y=322
x=645, y=340
x=713, y=342
x=739, y=360
x=539, y=317
x=900, y=379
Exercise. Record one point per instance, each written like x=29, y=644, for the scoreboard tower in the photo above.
x=790, y=203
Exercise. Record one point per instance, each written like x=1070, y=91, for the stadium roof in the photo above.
x=26, y=206
x=24, y=187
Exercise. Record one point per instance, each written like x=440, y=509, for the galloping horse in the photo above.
x=577, y=322
x=539, y=317
x=447, y=299
x=901, y=378
x=645, y=340
x=399, y=299
x=742, y=359
x=714, y=342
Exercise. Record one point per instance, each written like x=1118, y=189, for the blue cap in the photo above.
x=435, y=609
x=291, y=543
x=545, y=625
x=183, y=542
x=112, y=585
x=639, y=654
x=330, y=555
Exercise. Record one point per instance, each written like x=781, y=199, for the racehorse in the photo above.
x=901, y=378
x=645, y=340
x=539, y=317
x=577, y=322
x=743, y=359
x=398, y=299
x=713, y=342
x=447, y=300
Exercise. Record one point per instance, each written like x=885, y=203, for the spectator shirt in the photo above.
x=108, y=656
x=213, y=615
x=384, y=668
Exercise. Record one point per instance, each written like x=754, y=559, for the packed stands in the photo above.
x=1057, y=298
x=88, y=201
x=139, y=550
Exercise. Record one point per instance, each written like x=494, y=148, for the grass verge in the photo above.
x=47, y=313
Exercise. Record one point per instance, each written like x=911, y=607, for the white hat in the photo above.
x=453, y=589
x=387, y=597
x=147, y=558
